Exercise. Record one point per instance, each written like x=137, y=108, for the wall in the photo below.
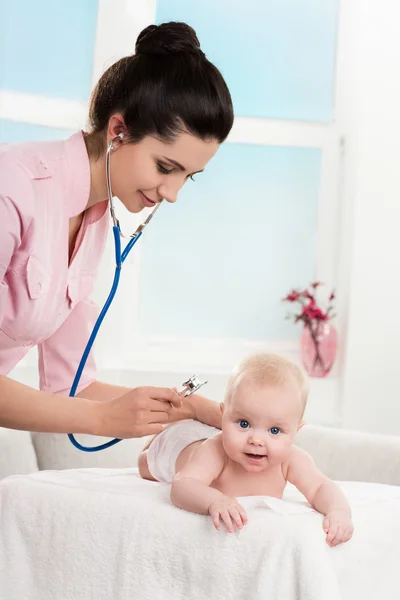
x=370, y=119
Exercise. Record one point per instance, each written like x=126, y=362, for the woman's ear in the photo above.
x=116, y=126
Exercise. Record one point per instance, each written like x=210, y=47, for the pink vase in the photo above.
x=318, y=345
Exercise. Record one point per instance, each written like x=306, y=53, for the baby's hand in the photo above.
x=228, y=509
x=338, y=526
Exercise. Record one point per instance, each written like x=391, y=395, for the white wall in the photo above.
x=368, y=113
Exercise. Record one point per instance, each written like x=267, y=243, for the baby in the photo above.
x=253, y=455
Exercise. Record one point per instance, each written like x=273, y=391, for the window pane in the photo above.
x=47, y=47
x=218, y=262
x=278, y=56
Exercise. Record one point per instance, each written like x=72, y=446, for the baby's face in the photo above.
x=259, y=424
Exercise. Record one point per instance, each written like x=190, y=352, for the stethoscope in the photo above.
x=188, y=387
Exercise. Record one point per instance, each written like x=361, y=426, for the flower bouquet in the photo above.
x=319, y=338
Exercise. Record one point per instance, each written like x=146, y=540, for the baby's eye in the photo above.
x=243, y=424
x=275, y=430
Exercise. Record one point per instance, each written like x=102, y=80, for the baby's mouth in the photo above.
x=256, y=457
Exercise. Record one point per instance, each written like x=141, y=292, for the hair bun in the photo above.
x=168, y=38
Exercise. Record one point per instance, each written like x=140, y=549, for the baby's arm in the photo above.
x=191, y=486
x=323, y=494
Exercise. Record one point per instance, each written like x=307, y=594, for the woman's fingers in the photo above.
x=153, y=428
x=165, y=395
x=158, y=406
x=159, y=416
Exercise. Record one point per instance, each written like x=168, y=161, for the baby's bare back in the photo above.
x=185, y=455
x=234, y=480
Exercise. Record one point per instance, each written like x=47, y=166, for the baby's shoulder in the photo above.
x=214, y=446
x=295, y=457
x=214, y=443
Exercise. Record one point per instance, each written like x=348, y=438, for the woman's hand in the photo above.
x=141, y=411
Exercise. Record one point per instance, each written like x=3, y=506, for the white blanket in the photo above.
x=106, y=534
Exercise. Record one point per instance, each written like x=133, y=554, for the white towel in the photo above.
x=106, y=534
x=294, y=503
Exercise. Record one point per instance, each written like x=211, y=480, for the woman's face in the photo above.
x=144, y=173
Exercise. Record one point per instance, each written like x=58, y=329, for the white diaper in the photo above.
x=163, y=452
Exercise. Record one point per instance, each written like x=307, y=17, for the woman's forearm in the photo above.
x=22, y=407
x=193, y=495
x=103, y=391
x=194, y=407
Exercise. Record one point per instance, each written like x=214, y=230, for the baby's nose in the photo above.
x=257, y=440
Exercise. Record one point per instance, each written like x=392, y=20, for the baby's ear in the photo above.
x=222, y=407
x=302, y=422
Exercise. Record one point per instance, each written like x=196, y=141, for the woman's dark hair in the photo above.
x=166, y=87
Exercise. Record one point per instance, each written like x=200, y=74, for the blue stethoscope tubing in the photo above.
x=119, y=259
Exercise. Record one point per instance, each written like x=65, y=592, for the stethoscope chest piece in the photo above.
x=192, y=385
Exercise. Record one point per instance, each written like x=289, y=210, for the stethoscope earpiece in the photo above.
x=111, y=148
x=118, y=137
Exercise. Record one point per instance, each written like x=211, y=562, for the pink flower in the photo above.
x=293, y=296
x=306, y=294
x=309, y=310
x=318, y=315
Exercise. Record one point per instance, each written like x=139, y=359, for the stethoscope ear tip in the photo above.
x=118, y=138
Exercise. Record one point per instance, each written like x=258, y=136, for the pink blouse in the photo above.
x=43, y=301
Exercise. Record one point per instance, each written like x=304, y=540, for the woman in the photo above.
x=173, y=109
